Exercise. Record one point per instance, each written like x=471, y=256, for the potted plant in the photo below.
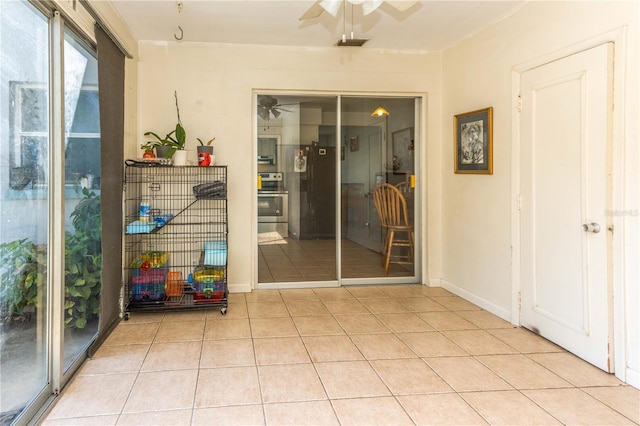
x=148, y=148
x=174, y=140
x=205, y=152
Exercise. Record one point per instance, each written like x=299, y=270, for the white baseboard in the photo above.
x=434, y=282
x=503, y=313
x=632, y=378
x=240, y=288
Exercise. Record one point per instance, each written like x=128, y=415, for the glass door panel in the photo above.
x=296, y=243
x=24, y=207
x=297, y=181
x=377, y=150
x=83, y=256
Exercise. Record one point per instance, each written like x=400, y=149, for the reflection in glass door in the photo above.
x=378, y=152
x=50, y=266
x=327, y=167
x=24, y=141
x=297, y=171
x=83, y=222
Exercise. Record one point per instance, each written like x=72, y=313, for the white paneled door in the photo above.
x=564, y=188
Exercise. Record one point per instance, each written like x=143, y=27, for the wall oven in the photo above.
x=273, y=205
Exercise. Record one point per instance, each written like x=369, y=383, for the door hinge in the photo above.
x=519, y=300
x=519, y=103
x=519, y=202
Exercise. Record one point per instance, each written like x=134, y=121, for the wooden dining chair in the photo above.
x=405, y=188
x=391, y=206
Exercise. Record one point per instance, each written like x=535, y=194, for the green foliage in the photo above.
x=83, y=262
x=23, y=268
x=175, y=139
x=149, y=145
x=175, y=143
x=201, y=142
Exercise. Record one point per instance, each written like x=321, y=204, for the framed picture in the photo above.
x=402, y=145
x=473, y=142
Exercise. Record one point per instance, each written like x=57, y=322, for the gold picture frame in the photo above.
x=473, y=142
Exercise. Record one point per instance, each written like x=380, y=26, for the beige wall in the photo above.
x=215, y=85
x=477, y=210
x=468, y=219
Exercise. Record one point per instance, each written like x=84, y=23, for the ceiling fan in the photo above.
x=368, y=6
x=269, y=107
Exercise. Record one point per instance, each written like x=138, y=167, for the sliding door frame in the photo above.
x=420, y=192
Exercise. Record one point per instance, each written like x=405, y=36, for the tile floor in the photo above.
x=291, y=260
x=352, y=356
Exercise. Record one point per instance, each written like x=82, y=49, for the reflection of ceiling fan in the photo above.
x=269, y=108
x=368, y=6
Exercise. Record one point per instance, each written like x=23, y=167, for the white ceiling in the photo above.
x=426, y=26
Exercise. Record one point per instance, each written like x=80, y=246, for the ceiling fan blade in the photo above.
x=313, y=12
x=370, y=5
x=263, y=113
x=331, y=6
x=401, y=5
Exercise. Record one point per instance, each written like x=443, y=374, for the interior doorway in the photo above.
x=319, y=159
x=566, y=236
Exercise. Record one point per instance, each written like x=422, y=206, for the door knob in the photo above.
x=591, y=227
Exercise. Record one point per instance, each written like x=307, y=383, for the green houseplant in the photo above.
x=83, y=262
x=23, y=269
x=23, y=275
x=175, y=139
x=205, y=152
x=148, y=148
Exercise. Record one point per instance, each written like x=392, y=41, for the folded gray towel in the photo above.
x=210, y=190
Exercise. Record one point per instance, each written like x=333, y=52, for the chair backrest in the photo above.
x=404, y=187
x=391, y=205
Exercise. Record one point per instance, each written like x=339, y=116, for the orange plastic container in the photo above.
x=174, y=286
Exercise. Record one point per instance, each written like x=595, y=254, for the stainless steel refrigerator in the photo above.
x=318, y=193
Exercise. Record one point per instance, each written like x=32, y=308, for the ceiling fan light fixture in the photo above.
x=263, y=113
x=352, y=42
x=369, y=6
x=331, y=6
x=380, y=112
x=275, y=113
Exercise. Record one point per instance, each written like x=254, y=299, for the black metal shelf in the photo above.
x=166, y=266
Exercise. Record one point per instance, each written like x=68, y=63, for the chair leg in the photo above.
x=387, y=251
x=411, y=242
x=385, y=245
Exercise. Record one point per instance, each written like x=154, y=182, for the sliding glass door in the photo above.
x=378, y=146
x=24, y=179
x=297, y=158
x=50, y=223
x=83, y=251
x=319, y=160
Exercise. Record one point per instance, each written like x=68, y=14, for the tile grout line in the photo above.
x=140, y=369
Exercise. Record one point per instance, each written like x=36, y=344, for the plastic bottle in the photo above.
x=145, y=210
